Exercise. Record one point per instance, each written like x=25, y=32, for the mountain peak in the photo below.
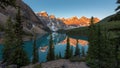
x=83, y=17
x=82, y=21
x=96, y=19
x=42, y=13
x=74, y=17
x=52, y=16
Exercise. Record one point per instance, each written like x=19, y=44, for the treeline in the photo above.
x=82, y=31
x=103, y=52
x=116, y=17
x=13, y=51
x=69, y=52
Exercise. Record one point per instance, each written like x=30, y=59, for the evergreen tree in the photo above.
x=71, y=52
x=101, y=51
x=35, y=51
x=60, y=55
x=57, y=56
x=67, y=52
x=77, y=50
x=83, y=51
x=118, y=2
x=116, y=40
x=107, y=51
x=117, y=51
x=94, y=46
x=8, y=41
x=51, y=55
x=19, y=57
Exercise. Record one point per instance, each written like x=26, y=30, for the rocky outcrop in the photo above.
x=63, y=63
x=64, y=23
x=51, y=21
x=75, y=21
x=29, y=19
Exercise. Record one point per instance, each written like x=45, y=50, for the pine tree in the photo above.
x=77, y=50
x=60, y=55
x=117, y=51
x=35, y=51
x=57, y=56
x=51, y=55
x=19, y=57
x=93, y=51
x=71, y=52
x=118, y=2
x=118, y=62
x=101, y=51
x=98, y=45
x=8, y=41
x=116, y=40
x=67, y=52
x=83, y=51
x=107, y=51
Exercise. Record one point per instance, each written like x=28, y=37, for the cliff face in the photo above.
x=29, y=19
x=64, y=23
x=51, y=21
x=75, y=21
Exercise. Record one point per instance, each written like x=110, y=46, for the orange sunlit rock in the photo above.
x=43, y=13
x=52, y=16
x=96, y=19
x=83, y=21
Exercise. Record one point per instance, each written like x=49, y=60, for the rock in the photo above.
x=64, y=23
x=75, y=21
x=12, y=66
x=63, y=63
x=51, y=21
x=29, y=19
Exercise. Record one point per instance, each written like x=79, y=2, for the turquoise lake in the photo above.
x=59, y=43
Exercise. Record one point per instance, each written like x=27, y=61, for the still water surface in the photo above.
x=59, y=43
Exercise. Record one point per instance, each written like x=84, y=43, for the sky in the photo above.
x=70, y=8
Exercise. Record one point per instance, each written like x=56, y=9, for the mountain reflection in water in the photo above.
x=59, y=45
x=60, y=41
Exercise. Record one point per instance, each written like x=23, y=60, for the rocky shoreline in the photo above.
x=61, y=63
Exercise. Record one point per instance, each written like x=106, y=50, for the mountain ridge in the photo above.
x=51, y=21
x=72, y=21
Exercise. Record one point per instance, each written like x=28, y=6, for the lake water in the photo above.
x=59, y=43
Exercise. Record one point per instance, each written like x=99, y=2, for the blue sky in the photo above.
x=69, y=8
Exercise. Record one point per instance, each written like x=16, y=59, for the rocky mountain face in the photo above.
x=51, y=21
x=29, y=19
x=64, y=23
x=75, y=21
